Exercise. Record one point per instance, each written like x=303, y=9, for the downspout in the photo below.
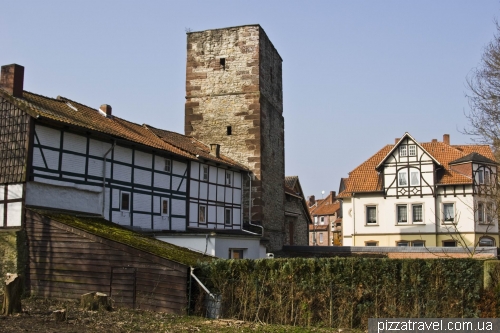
x=437, y=221
x=104, y=177
x=201, y=284
x=250, y=210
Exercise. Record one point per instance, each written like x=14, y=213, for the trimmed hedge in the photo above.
x=345, y=292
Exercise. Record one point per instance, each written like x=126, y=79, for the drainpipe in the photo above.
x=250, y=210
x=353, y=220
x=201, y=284
x=104, y=177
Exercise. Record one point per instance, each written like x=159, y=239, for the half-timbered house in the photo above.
x=422, y=194
x=57, y=153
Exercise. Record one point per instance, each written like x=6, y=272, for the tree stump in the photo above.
x=59, y=315
x=12, y=295
x=95, y=301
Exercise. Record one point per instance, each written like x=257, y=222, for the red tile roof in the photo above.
x=325, y=207
x=365, y=177
x=66, y=111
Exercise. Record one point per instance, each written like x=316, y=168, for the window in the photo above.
x=486, y=241
x=371, y=243
x=480, y=176
x=321, y=238
x=417, y=213
x=168, y=165
x=227, y=216
x=402, y=211
x=125, y=201
x=414, y=177
x=235, y=253
x=322, y=220
x=402, y=243
x=228, y=178
x=480, y=213
x=450, y=243
x=222, y=62
x=449, y=212
x=229, y=130
x=489, y=213
x=205, y=173
x=412, y=150
x=487, y=177
x=371, y=214
x=202, y=214
x=402, y=151
x=164, y=207
x=316, y=220
x=403, y=177
x=418, y=243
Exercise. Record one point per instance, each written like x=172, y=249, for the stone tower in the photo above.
x=234, y=97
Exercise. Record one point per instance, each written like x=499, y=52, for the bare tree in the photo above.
x=484, y=96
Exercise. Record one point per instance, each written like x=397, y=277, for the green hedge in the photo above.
x=345, y=292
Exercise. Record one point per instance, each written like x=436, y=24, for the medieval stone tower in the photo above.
x=234, y=98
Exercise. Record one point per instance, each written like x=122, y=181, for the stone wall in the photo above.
x=300, y=222
x=234, y=98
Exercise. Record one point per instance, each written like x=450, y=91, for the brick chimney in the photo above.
x=396, y=140
x=332, y=196
x=434, y=140
x=106, y=109
x=446, y=138
x=12, y=79
x=215, y=149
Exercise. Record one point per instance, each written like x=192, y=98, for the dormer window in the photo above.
x=412, y=150
x=402, y=151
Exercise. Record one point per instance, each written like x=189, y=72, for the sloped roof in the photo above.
x=290, y=181
x=112, y=231
x=67, y=111
x=326, y=207
x=473, y=157
x=365, y=177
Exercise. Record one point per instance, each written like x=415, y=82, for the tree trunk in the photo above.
x=95, y=301
x=12, y=295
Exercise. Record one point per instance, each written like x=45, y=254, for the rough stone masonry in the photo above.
x=234, y=97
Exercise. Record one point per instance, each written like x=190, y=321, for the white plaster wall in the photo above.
x=218, y=245
x=87, y=199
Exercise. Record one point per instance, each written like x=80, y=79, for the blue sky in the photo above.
x=356, y=74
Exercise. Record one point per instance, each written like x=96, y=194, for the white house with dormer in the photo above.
x=422, y=194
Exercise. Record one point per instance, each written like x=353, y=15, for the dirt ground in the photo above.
x=37, y=317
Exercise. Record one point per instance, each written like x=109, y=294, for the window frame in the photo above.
x=240, y=251
x=126, y=210
x=167, y=167
x=405, y=178
x=413, y=221
x=443, y=207
x=321, y=220
x=369, y=243
x=400, y=242
x=204, y=172
x=486, y=238
x=204, y=214
x=398, y=221
x=449, y=241
x=480, y=176
x=403, y=151
x=228, y=178
x=226, y=211
x=320, y=237
x=367, y=207
x=167, y=200
x=410, y=148
x=418, y=241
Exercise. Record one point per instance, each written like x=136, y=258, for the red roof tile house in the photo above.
x=422, y=194
x=326, y=229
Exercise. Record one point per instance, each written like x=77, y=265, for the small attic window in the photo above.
x=229, y=130
x=223, y=63
x=71, y=106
